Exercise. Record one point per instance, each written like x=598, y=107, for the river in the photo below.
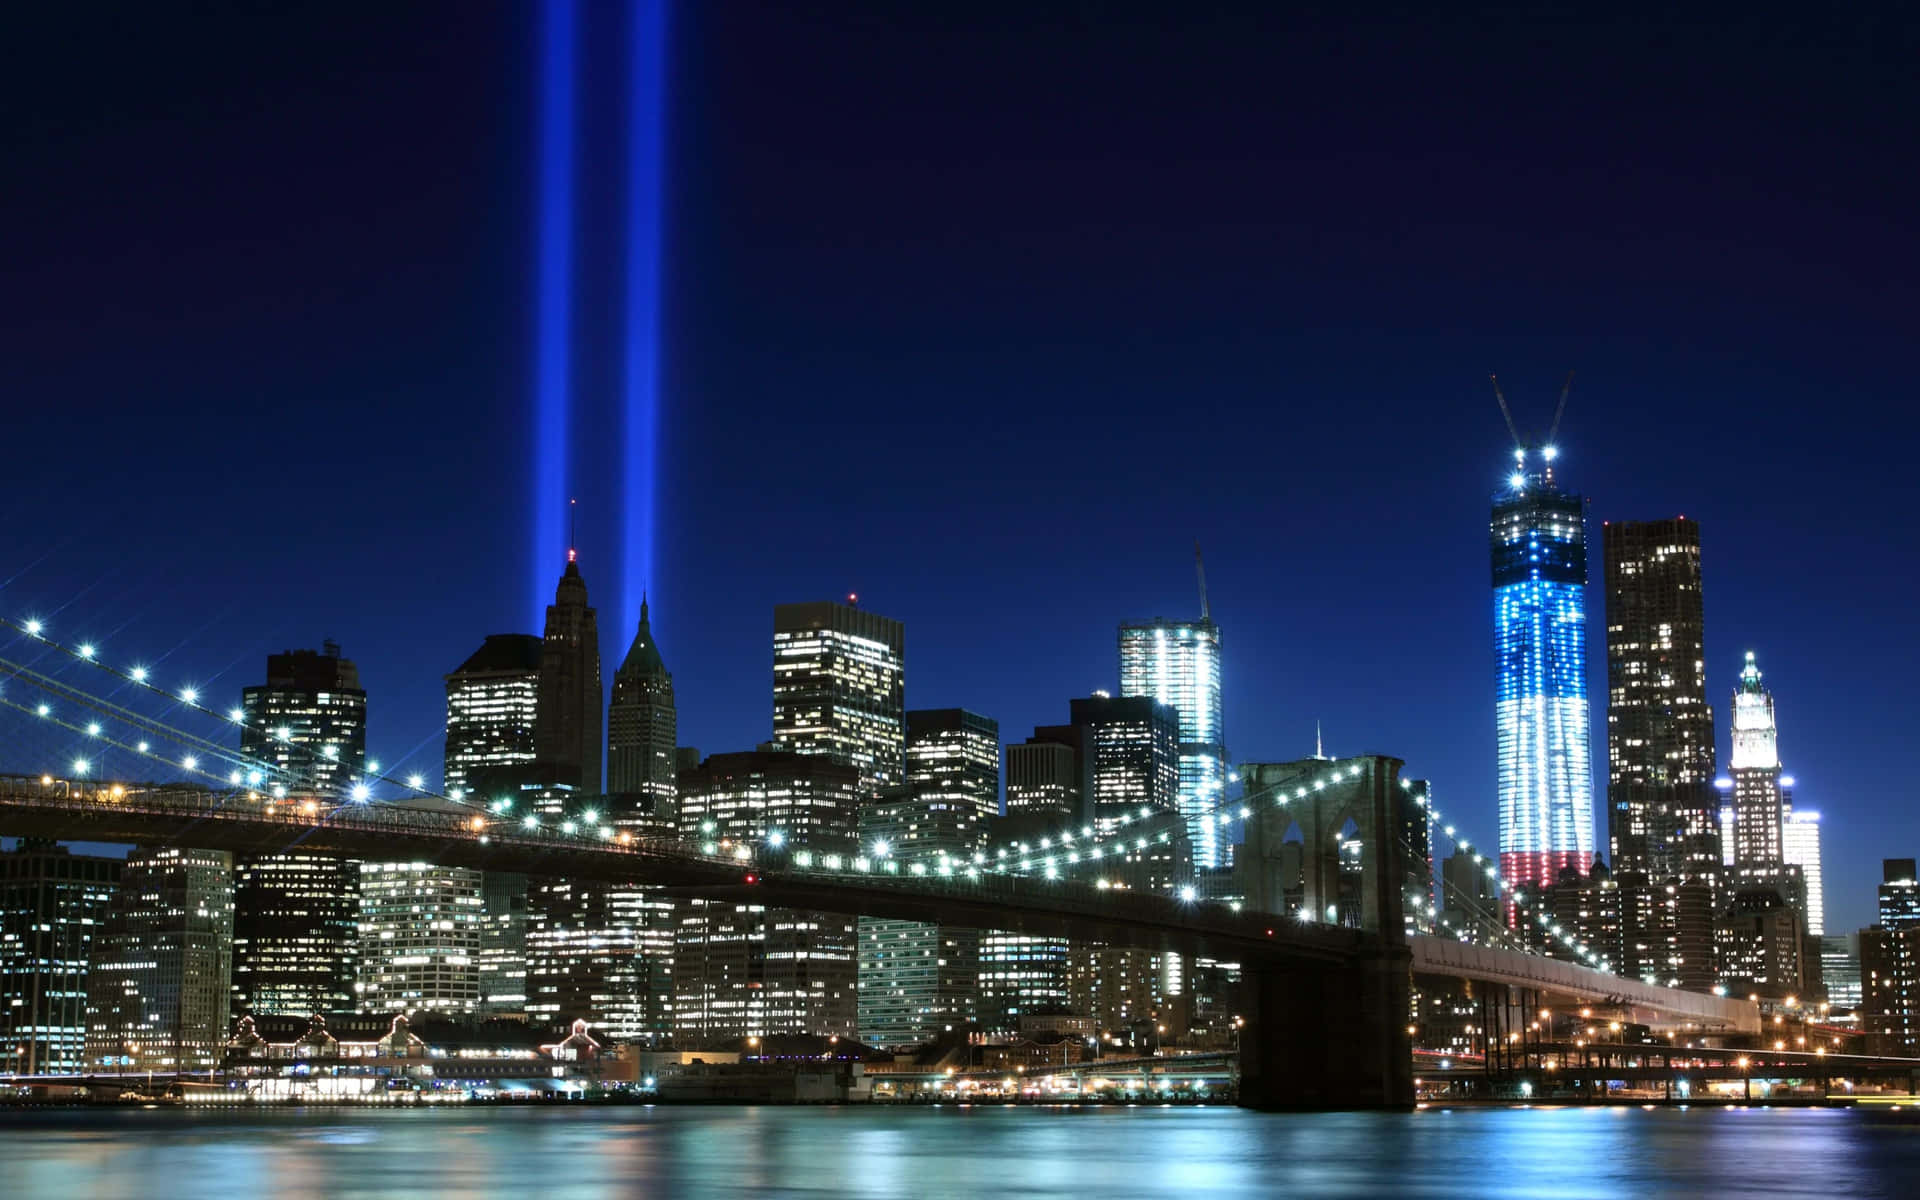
x=1100, y=1153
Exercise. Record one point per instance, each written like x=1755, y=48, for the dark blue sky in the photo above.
x=987, y=314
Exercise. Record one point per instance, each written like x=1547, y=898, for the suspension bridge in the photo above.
x=1328, y=946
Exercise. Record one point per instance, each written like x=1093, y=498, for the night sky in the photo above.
x=986, y=314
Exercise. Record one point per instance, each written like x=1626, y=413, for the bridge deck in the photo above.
x=244, y=824
x=1461, y=960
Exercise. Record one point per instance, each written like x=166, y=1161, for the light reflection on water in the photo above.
x=875, y=1152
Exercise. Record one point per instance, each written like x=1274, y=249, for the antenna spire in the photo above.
x=573, y=527
x=1200, y=568
x=1319, y=745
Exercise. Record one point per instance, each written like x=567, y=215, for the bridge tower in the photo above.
x=1322, y=1036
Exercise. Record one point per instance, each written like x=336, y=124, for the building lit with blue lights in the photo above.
x=1178, y=664
x=1539, y=549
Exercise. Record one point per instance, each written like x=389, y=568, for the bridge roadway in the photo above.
x=231, y=821
x=1332, y=999
x=1629, y=999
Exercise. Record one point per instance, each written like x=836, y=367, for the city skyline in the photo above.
x=1260, y=312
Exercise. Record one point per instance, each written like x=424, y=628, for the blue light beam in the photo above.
x=553, y=320
x=646, y=139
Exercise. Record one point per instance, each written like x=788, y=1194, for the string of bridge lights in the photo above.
x=1506, y=887
x=189, y=696
x=1052, y=852
x=1095, y=847
x=82, y=768
x=275, y=779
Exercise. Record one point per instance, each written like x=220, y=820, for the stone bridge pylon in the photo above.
x=1344, y=851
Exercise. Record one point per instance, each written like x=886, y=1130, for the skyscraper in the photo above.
x=157, y=986
x=1132, y=756
x=567, y=730
x=1539, y=552
x=493, y=703
x=53, y=904
x=744, y=969
x=919, y=980
x=309, y=720
x=953, y=758
x=1044, y=774
x=1890, y=989
x=295, y=915
x=839, y=688
x=420, y=930
x=602, y=953
x=1759, y=809
x=1178, y=664
x=1899, y=894
x=503, y=945
x=1662, y=814
x=1800, y=844
x=642, y=733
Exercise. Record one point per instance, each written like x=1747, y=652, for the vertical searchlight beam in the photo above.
x=553, y=305
x=646, y=153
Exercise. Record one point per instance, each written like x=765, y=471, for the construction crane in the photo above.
x=1560, y=409
x=1200, y=568
x=1506, y=413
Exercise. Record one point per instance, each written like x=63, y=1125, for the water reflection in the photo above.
x=884, y=1152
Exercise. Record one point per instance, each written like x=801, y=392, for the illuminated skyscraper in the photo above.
x=1759, y=809
x=1539, y=550
x=744, y=969
x=1899, y=894
x=1801, y=845
x=53, y=905
x=642, y=728
x=602, y=953
x=157, y=986
x=953, y=759
x=1132, y=752
x=1662, y=814
x=1178, y=664
x=420, y=930
x=568, y=728
x=296, y=917
x=1044, y=774
x=493, y=701
x=918, y=980
x=839, y=688
x=503, y=945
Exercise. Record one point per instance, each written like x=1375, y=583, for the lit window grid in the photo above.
x=1178, y=664
x=490, y=723
x=420, y=928
x=1755, y=737
x=52, y=909
x=843, y=695
x=1801, y=846
x=1759, y=809
x=312, y=721
x=958, y=766
x=1545, y=781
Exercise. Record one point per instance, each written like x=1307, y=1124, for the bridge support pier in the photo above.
x=1321, y=1038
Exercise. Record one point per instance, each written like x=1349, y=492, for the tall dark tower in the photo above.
x=296, y=915
x=1662, y=814
x=642, y=729
x=567, y=730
